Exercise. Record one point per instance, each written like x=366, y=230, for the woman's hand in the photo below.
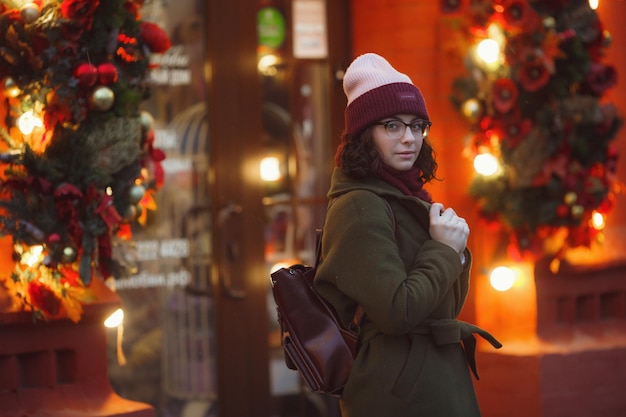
x=448, y=228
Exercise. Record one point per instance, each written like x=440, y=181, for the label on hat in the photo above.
x=405, y=96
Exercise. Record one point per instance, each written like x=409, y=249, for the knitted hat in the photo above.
x=376, y=90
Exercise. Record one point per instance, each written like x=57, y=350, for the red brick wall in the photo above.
x=612, y=15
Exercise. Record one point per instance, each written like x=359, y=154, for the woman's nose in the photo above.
x=408, y=136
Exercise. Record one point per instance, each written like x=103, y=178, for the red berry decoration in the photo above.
x=107, y=73
x=86, y=74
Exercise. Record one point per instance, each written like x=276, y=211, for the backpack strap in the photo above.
x=355, y=323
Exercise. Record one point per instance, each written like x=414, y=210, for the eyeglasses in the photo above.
x=397, y=128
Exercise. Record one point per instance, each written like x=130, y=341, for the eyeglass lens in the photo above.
x=397, y=128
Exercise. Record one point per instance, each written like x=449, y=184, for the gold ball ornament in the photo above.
x=102, y=98
x=570, y=198
x=549, y=22
x=147, y=122
x=30, y=12
x=607, y=39
x=577, y=211
x=472, y=109
x=130, y=213
x=69, y=254
x=10, y=88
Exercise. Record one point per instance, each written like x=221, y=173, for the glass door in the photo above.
x=165, y=355
x=294, y=76
x=200, y=334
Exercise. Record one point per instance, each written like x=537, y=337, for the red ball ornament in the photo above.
x=107, y=73
x=86, y=74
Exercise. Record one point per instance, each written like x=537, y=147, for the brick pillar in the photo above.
x=60, y=368
x=576, y=364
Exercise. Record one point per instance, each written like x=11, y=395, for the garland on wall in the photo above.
x=541, y=128
x=80, y=165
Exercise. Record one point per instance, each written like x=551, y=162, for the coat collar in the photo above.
x=341, y=184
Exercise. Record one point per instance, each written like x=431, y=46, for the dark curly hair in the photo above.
x=358, y=157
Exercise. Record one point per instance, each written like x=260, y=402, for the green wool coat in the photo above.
x=412, y=357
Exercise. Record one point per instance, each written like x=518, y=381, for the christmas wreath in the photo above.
x=80, y=165
x=536, y=111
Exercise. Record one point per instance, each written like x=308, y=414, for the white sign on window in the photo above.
x=310, y=38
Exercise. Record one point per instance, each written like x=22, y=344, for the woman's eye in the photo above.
x=392, y=125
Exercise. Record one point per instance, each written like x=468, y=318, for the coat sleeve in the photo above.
x=361, y=264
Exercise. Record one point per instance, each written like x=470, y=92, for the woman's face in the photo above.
x=399, y=151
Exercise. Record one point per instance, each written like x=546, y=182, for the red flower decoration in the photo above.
x=612, y=155
x=80, y=11
x=43, y=299
x=595, y=41
x=533, y=75
x=511, y=129
x=450, y=6
x=134, y=7
x=155, y=37
x=504, y=94
x=70, y=276
x=517, y=14
x=600, y=78
x=153, y=159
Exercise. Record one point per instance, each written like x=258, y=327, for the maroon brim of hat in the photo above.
x=381, y=102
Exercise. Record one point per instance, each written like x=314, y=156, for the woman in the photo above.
x=388, y=248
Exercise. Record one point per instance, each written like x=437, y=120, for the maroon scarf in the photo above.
x=409, y=182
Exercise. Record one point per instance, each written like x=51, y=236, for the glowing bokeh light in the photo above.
x=597, y=220
x=270, y=169
x=27, y=122
x=488, y=50
x=486, y=164
x=502, y=278
x=115, y=319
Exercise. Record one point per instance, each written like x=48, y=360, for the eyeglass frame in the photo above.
x=425, y=127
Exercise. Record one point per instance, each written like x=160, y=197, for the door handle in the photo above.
x=231, y=252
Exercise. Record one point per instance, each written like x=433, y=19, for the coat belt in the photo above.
x=443, y=332
x=450, y=331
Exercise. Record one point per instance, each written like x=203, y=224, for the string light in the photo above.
x=502, y=278
x=486, y=164
x=597, y=220
x=594, y=4
x=270, y=169
x=488, y=50
x=115, y=319
x=32, y=255
x=27, y=122
x=267, y=65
